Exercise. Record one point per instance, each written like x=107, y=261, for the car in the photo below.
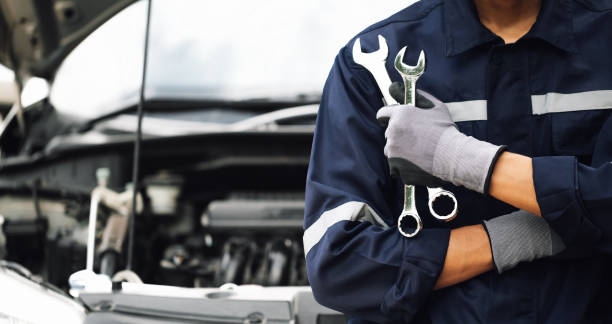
x=196, y=214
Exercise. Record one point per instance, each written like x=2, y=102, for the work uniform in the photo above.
x=546, y=96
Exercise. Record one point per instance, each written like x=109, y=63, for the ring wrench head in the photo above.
x=440, y=195
x=406, y=217
x=409, y=212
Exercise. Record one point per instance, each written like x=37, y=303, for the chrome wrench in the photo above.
x=410, y=75
x=375, y=63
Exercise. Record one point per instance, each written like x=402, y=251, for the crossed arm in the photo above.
x=512, y=182
x=469, y=251
x=468, y=255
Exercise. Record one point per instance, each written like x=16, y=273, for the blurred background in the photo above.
x=201, y=49
x=230, y=101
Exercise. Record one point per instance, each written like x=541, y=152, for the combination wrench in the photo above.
x=375, y=63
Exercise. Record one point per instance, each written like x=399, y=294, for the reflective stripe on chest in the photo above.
x=541, y=104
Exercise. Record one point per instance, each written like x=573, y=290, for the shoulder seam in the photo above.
x=425, y=13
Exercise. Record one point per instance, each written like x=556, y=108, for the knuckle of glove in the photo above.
x=395, y=129
x=392, y=148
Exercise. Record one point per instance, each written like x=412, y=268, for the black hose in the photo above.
x=138, y=140
x=108, y=263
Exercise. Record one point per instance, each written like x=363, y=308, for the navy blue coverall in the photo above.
x=548, y=96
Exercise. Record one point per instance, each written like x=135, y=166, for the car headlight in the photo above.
x=24, y=301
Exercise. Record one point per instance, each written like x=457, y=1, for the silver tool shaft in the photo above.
x=410, y=75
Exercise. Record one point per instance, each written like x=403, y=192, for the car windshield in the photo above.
x=205, y=50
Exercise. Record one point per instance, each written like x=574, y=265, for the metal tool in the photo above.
x=410, y=75
x=375, y=63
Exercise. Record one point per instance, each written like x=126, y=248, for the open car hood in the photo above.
x=36, y=35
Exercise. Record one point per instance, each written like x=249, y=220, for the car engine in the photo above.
x=185, y=235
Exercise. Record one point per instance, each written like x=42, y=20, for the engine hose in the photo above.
x=108, y=263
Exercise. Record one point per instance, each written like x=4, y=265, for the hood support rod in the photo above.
x=137, y=143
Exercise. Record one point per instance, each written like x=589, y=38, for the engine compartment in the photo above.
x=208, y=218
x=244, y=238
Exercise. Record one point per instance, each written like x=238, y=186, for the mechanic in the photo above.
x=515, y=79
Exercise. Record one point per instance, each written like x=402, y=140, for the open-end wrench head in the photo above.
x=375, y=62
x=409, y=70
x=379, y=55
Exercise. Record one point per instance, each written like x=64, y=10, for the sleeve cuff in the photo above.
x=558, y=196
x=418, y=274
x=484, y=224
x=487, y=183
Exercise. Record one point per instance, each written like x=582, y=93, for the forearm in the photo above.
x=565, y=191
x=512, y=182
x=468, y=255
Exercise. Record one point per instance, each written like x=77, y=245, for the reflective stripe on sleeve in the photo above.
x=350, y=211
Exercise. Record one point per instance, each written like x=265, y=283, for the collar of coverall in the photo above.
x=464, y=31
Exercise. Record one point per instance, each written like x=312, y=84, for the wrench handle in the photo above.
x=409, y=90
x=409, y=197
x=381, y=76
x=409, y=201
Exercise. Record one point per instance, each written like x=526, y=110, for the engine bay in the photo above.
x=205, y=220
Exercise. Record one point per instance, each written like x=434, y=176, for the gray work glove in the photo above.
x=428, y=139
x=521, y=237
x=406, y=170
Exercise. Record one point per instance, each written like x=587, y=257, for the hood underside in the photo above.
x=36, y=35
